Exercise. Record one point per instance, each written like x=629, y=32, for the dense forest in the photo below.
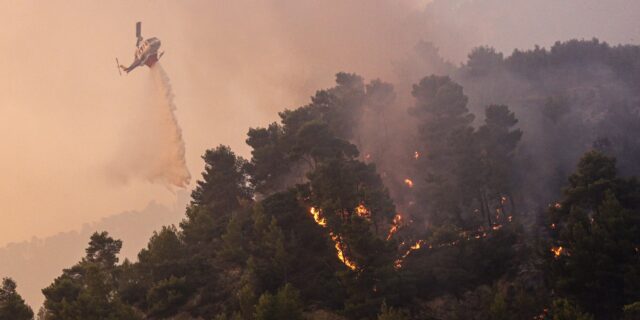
x=503, y=188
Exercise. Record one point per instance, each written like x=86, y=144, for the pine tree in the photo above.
x=445, y=135
x=596, y=233
x=223, y=192
x=89, y=289
x=390, y=313
x=285, y=305
x=12, y=306
x=497, y=142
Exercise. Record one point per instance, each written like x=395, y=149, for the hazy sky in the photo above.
x=65, y=113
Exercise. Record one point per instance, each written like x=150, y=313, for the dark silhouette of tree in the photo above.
x=88, y=290
x=445, y=135
x=311, y=210
x=103, y=250
x=484, y=60
x=497, y=144
x=224, y=181
x=596, y=235
x=12, y=306
x=390, y=313
x=285, y=305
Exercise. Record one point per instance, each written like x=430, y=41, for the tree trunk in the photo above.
x=486, y=208
x=513, y=204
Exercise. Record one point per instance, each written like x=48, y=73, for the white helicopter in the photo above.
x=146, y=51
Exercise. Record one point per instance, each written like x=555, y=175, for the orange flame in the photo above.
x=395, y=224
x=315, y=212
x=408, y=182
x=416, y=155
x=557, y=251
x=321, y=221
x=350, y=264
x=362, y=211
x=480, y=233
x=416, y=246
x=557, y=205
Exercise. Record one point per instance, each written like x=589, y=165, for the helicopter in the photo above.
x=146, y=52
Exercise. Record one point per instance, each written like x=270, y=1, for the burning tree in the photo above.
x=465, y=169
x=441, y=109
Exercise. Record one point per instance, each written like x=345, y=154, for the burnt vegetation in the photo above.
x=503, y=191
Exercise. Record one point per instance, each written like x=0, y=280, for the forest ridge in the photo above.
x=503, y=190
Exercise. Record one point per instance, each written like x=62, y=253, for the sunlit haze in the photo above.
x=84, y=143
x=65, y=112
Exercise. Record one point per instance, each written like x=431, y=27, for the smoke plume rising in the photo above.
x=154, y=148
x=244, y=60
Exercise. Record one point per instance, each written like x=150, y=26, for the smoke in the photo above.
x=35, y=263
x=171, y=166
x=457, y=26
x=245, y=59
x=153, y=148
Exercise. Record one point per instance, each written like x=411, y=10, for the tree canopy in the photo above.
x=350, y=209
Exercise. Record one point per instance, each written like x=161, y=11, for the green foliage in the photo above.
x=103, y=250
x=88, y=290
x=167, y=296
x=562, y=309
x=337, y=188
x=494, y=172
x=248, y=231
x=270, y=160
x=484, y=60
x=247, y=300
x=342, y=185
x=206, y=233
x=163, y=256
x=285, y=305
x=224, y=180
x=555, y=108
x=596, y=174
x=221, y=191
x=632, y=311
x=598, y=226
x=444, y=131
x=467, y=176
x=460, y=267
x=232, y=248
x=12, y=306
x=498, y=308
x=306, y=257
x=390, y=313
x=283, y=153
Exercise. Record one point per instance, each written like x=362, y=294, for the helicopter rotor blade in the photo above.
x=118, y=66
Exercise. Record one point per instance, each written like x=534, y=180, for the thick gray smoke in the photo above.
x=153, y=147
x=585, y=99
